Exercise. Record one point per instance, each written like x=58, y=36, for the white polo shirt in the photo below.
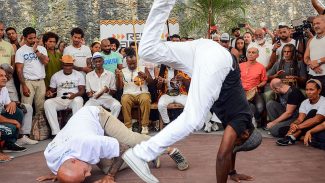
x=80, y=55
x=81, y=138
x=129, y=86
x=33, y=68
x=95, y=83
x=265, y=52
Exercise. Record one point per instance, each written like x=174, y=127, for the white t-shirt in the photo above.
x=80, y=55
x=81, y=138
x=316, y=47
x=306, y=106
x=95, y=83
x=279, y=50
x=4, y=98
x=67, y=83
x=33, y=68
x=129, y=86
x=265, y=52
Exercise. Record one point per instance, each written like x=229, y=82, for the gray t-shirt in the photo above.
x=288, y=69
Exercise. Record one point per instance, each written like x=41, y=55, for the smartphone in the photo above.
x=241, y=25
x=277, y=40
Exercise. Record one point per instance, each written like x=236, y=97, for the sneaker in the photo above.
x=207, y=127
x=179, y=159
x=287, y=140
x=145, y=130
x=139, y=166
x=254, y=122
x=215, y=126
x=25, y=140
x=14, y=148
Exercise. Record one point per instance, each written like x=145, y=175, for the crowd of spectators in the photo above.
x=283, y=76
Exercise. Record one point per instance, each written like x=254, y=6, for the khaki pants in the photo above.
x=144, y=102
x=115, y=128
x=37, y=94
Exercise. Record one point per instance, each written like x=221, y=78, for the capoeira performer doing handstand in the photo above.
x=215, y=83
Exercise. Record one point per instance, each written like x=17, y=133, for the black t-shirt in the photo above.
x=293, y=97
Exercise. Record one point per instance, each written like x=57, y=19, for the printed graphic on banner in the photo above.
x=123, y=30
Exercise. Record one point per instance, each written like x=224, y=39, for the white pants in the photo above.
x=205, y=61
x=108, y=102
x=27, y=121
x=165, y=100
x=53, y=105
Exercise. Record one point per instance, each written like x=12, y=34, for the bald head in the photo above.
x=259, y=32
x=73, y=171
x=105, y=46
x=320, y=17
x=276, y=83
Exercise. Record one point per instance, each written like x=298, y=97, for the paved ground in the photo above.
x=268, y=164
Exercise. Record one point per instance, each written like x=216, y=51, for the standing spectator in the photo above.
x=115, y=44
x=216, y=38
x=175, y=38
x=50, y=39
x=13, y=38
x=30, y=61
x=253, y=77
x=184, y=39
x=241, y=48
x=225, y=39
x=283, y=111
x=69, y=85
x=101, y=85
x=112, y=60
x=7, y=53
x=94, y=47
x=311, y=113
x=264, y=48
x=235, y=32
x=315, y=55
x=10, y=118
x=248, y=38
x=61, y=46
x=78, y=51
x=133, y=93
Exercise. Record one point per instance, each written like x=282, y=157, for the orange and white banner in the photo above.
x=123, y=30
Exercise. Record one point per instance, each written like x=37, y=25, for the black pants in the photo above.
x=318, y=140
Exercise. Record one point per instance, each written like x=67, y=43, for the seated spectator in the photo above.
x=4, y=157
x=253, y=77
x=316, y=136
x=26, y=126
x=311, y=113
x=134, y=82
x=69, y=85
x=289, y=69
x=241, y=48
x=10, y=118
x=284, y=110
x=174, y=87
x=100, y=86
x=225, y=42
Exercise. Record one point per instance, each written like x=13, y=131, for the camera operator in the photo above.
x=318, y=6
x=315, y=54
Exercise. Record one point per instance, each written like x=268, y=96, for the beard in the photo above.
x=260, y=41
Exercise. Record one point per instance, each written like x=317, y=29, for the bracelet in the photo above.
x=232, y=172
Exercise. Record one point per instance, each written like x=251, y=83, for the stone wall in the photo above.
x=61, y=15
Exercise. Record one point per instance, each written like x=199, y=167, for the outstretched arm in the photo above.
x=318, y=6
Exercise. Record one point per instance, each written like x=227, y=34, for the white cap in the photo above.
x=225, y=37
x=97, y=55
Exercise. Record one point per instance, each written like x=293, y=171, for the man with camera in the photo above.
x=315, y=55
x=69, y=86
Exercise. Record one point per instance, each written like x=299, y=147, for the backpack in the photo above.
x=40, y=127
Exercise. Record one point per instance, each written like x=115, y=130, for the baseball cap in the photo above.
x=225, y=37
x=251, y=143
x=67, y=59
x=97, y=55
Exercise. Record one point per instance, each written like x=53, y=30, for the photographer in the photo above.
x=315, y=55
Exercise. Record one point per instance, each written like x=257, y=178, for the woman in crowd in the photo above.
x=241, y=48
x=61, y=46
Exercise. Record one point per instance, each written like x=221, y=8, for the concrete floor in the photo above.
x=268, y=164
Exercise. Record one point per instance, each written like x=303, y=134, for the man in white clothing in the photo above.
x=215, y=82
x=69, y=85
x=101, y=85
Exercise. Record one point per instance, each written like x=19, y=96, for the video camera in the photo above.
x=300, y=25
